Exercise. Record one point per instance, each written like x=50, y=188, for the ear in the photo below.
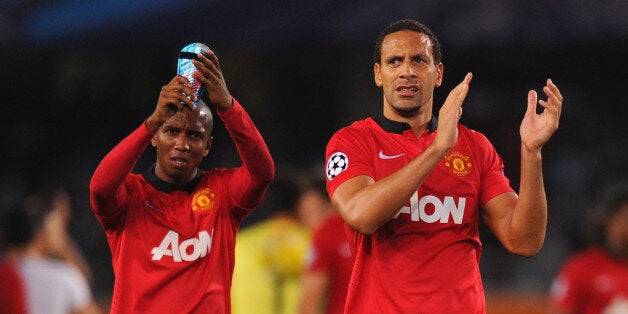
x=208, y=146
x=153, y=141
x=377, y=73
x=440, y=68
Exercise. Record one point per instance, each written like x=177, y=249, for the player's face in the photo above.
x=311, y=208
x=181, y=144
x=407, y=73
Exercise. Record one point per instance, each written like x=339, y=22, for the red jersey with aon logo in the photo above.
x=173, y=246
x=426, y=258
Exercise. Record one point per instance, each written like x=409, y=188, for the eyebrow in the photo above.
x=171, y=127
x=396, y=56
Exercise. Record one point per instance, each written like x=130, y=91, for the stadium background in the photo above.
x=78, y=76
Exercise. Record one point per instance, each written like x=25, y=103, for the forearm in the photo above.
x=373, y=204
x=116, y=165
x=529, y=220
x=313, y=297
x=253, y=151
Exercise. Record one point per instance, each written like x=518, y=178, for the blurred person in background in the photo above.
x=414, y=187
x=55, y=276
x=595, y=279
x=270, y=254
x=329, y=261
x=172, y=228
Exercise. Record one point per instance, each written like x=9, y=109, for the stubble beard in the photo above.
x=407, y=111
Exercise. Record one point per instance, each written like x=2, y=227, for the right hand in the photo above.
x=56, y=223
x=169, y=102
x=450, y=114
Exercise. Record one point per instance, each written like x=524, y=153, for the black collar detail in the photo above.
x=391, y=126
x=161, y=185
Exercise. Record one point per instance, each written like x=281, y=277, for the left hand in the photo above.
x=536, y=129
x=211, y=76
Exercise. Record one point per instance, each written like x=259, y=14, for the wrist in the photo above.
x=530, y=150
x=227, y=105
x=528, y=153
x=438, y=150
x=151, y=124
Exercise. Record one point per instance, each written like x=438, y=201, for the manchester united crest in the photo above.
x=204, y=200
x=458, y=163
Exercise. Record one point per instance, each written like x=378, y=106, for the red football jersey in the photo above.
x=426, y=258
x=173, y=246
x=330, y=253
x=590, y=282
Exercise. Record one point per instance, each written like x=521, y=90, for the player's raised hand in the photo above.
x=172, y=99
x=536, y=129
x=450, y=114
x=210, y=75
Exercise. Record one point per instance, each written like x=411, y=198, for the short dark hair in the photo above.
x=18, y=227
x=608, y=205
x=20, y=224
x=282, y=196
x=409, y=25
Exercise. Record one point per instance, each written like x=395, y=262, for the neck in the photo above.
x=20, y=253
x=417, y=120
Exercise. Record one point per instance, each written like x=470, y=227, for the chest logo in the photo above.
x=204, y=200
x=458, y=163
x=187, y=250
x=383, y=156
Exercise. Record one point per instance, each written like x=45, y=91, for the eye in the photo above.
x=196, y=135
x=418, y=60
x=394, y=61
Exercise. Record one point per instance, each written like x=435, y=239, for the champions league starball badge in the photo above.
x=186, y=68
x=336, y=164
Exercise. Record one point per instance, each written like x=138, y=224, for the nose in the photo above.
x=181, y=143
x=407, y=70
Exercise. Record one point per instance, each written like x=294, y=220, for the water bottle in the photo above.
x=186, y=68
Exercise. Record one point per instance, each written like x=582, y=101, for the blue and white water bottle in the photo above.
x=186, y=68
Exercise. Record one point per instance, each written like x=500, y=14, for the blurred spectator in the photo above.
x=270, y=255
x=595, y=280
x=329, y=261
x=52, y=269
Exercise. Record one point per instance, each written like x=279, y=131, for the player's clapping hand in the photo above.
x=536, y=129
x=450, y=114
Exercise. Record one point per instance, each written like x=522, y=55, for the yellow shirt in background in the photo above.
x=269, y=261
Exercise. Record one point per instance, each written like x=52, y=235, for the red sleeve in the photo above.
x=106, y=189
x=347, y=157
x=12, y=291
x=250, y=181
x=493, y=181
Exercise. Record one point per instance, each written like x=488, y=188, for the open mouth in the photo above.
x=407, y=90
x=179, y=163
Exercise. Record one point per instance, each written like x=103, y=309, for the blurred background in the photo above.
x=78, y=76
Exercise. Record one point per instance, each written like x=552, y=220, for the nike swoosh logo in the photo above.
x=147, y=203
x=382, y=156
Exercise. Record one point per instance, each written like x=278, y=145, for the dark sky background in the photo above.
x=78, y=76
